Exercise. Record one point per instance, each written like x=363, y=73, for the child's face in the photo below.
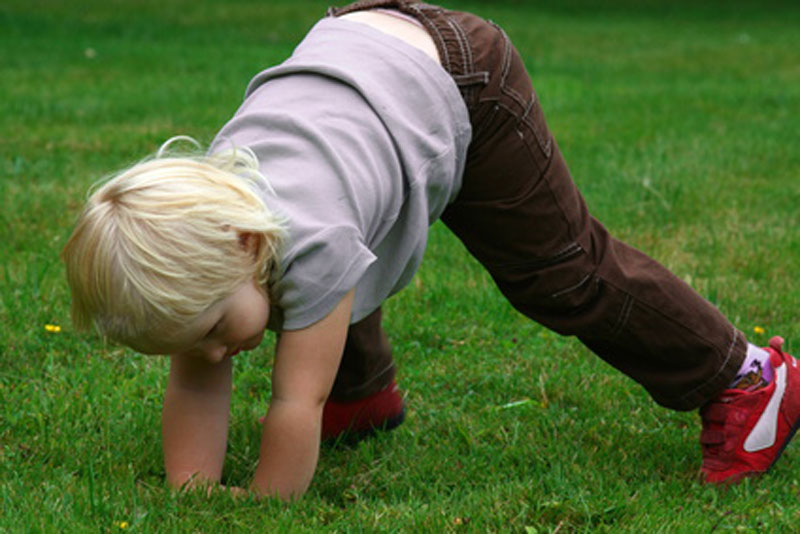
x=234, y=324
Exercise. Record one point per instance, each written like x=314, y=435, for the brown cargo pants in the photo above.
x=520, y=214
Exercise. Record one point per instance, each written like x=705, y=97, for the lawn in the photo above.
x=680, y=123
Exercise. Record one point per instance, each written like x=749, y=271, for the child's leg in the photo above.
x=364, y=395
x=367, y=364
x=520, y=214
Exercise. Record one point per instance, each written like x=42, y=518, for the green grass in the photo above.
x=679, y=122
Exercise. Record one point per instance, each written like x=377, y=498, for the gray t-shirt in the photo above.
x=363, y=139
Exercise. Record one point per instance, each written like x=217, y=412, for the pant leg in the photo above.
x=367, y=366
x=520, y=214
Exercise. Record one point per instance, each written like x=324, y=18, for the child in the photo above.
x=312, y=208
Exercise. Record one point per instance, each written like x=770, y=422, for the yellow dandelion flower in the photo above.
x=54, y=328
x=758, y=330
x=121, y=524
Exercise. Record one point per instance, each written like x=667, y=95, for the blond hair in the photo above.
x=161, y=242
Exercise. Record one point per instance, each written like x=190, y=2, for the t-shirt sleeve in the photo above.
x=324, y=268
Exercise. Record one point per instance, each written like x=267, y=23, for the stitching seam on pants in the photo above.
x=721, y=367
x=545, y=144
x=528, y=108
x=429, y=24
x=506, y=60
x=573, y=249
x=461, y=49
x=691, y=332
x=463, y=42
x=624, y=315
x=474, y=78
x=545, y=178
x=563, y=292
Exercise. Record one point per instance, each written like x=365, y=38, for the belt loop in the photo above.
x=473, y=78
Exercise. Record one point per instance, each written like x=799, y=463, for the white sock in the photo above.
x=754, y=367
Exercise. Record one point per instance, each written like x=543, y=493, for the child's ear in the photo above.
x=250, y=242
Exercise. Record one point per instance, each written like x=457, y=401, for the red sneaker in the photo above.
x=353, y=421
x=745, y=432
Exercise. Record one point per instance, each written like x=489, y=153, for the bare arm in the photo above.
x=306, y=362
x=194, y=420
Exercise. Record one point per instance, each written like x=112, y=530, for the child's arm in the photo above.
x=306, y=362
x=194, y=420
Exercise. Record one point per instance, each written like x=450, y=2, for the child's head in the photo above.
x=160, y=243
